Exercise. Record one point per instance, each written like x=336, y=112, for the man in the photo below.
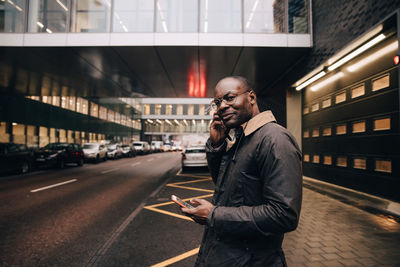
x=256, y=167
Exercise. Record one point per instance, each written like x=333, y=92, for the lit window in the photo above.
x=381, y=83
x=358, y=91
x=190, y=110
x=306, y=110
x=146, y=109
x=315, y=132
x=306, y=134
x=102, y=113
x=360, y=163
x=327, y=131
x=383, y=165
x=326, y=103
x=94, y=109
x=157, y=109
x=359, y=127
x=306, y=158
x=168, y=109
x=341, y=129
x=341, y=161
x=382, y=124
x=340, y=98
x=328, y=160
x=179, y=109
x=315, y=159
x=202, y=110
x=315, y=107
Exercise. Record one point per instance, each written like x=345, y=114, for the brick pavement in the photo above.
x=331, y=233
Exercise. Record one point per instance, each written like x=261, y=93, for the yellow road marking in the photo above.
x=193, y=181
x=169, y=213
x=177, y=258
x=171, y=202
x=190, y=188
x=194, y=176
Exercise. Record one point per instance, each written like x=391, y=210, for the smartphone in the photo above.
x=180, y=202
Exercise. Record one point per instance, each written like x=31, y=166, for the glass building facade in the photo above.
x=162, y=16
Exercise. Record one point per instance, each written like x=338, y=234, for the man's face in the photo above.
x=235, y=107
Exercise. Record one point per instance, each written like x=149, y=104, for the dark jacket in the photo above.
x=257, y=197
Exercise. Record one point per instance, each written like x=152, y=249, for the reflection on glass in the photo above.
x=298, y=16
x=90, y=15
x=12, y=16
x=262, y=15
x=47, y=16
x=176, y=15
x=133, y=16
x=220, y=16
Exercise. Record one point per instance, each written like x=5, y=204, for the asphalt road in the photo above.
x=64, y=217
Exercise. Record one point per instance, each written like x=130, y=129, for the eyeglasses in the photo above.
x=227, y=99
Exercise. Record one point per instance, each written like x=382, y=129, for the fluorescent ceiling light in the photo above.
x=177, y=122
x=358, y=51
x=194, y=122
x=62, y=5
x=327, y=81
x=167, y=121
x=149, y=120
x=49, y=31
x=202, y=122
x=160, y=122
x=387, y=49
x=311, y=80
x=164, y=24
x=185, y=122
x=18, y=8
x=40, y=24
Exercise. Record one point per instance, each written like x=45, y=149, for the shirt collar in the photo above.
x=258, y=121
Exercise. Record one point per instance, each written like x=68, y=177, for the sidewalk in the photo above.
x=330, y=232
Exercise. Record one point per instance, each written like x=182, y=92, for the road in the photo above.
x=64, y=217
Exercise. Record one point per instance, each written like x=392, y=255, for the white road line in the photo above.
x=54, y=185
x=150, y=159
x=103, y=172
x=135, y=164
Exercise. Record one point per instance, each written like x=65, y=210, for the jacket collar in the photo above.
x=258, y=121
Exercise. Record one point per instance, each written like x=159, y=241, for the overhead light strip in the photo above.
x=311, y=80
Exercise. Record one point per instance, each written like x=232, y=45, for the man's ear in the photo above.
x=253, y=97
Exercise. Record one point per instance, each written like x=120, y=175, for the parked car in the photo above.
x=15, y=158
x=114, y=151
x=128, y=151
x=58, y=154
x=167, y=147
x=142, y=147
x=157, y=146
x=95, y=152
x=194, y=156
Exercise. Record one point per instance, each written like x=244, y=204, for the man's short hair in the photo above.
x=243, y=80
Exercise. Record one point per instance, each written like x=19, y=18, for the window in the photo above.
x=315, y=132
x=12, y=16
x=315, y=159
x=168, y=109
x=190, y=110
x=298, y=16
x=4, y=136
x=262, y=16
x=110, y=115
x=339, y=98
x=381, y=83
x=359, y=127
x=382, y=124
x=177, y=15
x=326, y=103
x=306, y=158
x=221, y=16
x=202, y=110
x=358, y=91
x=133, y=16
x=157, y=109
x=90, y=16
x=102, y=113
x=179, y=109
x=328, y=160
x=315, y=107
x=306, y=134
x=146, y=109
x=341, y=129
x=327, y=131
x=360, y=163
x=47, y=16
x=55, y=101
x=94, y=109
x=306, y=110
x=383, y=165
x=341, y=161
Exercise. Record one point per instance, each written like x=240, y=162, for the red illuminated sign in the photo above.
x=197, y=82
x=396, y=60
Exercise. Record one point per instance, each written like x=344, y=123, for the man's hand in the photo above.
x=218, y=131
x=200, y=212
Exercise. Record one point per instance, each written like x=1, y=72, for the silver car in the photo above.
x=94, y=152
x=194, y=156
